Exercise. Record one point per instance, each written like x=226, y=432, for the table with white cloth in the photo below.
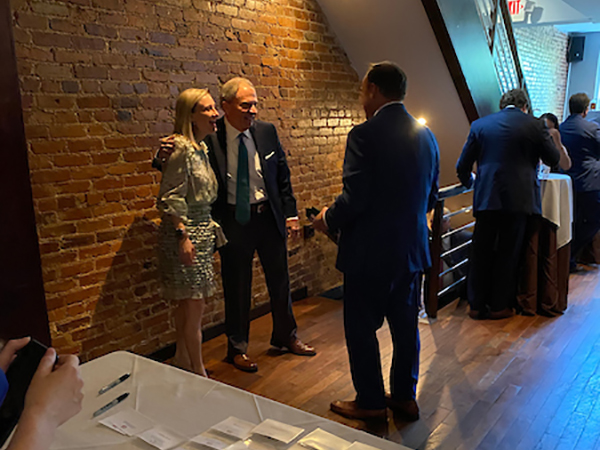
x=186, y=403
x=544, y=280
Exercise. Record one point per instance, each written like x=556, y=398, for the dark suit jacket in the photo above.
x=390, y=182
x=507, y=147
x=582, y=139
x=276, y=173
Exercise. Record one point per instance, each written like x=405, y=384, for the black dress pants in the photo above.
x=587, y=221
x=368, y=299
x=262, y=235
x=496, y=251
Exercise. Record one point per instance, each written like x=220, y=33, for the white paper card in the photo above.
x=278, y=431
x=128, y=422
x=161, y=438
x=322, y=440
x=360, y=446
x=235, y=427
x=213, y=440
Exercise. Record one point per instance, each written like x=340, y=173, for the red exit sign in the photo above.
x=515, y=7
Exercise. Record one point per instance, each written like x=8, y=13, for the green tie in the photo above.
x=242, y=191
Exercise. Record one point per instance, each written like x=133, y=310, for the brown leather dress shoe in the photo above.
x=243, y=362
x=297, y=347
x=406, y=409
x=353, y=411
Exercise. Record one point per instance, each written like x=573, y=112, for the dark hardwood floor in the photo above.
x=522, y=383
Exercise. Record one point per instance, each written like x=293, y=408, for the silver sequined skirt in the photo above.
x=179, y=282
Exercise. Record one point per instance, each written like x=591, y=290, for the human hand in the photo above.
x=55, y=394
x=293, y=227
x=167, y=146
x=319, y=222
x=9, y=352
x=187, y=251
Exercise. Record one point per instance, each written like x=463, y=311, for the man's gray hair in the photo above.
x=230, y=89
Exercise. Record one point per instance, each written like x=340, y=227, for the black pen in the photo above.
x=114, y=383
x=115, y=402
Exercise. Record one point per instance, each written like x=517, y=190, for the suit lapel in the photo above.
x=260, y=149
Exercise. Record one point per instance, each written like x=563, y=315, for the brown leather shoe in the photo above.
x=353, y=411
x=406, y=409
x=504, y=314
x=243, y=362
x=297, y=347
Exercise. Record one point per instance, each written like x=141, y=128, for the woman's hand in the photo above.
x=187, y=251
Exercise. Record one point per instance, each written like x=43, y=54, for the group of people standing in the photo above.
x=226, y=185
x=507, y=147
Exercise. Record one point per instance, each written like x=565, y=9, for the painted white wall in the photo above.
x=583, y=75
x=399, y=31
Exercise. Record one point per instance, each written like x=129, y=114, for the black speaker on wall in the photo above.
x=576, y=45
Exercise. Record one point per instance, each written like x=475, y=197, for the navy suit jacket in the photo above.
x=507, y=147
x=582, y=139
x=276, y=173
x=390, y=181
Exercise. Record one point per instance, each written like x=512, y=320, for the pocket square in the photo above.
x=269, y=155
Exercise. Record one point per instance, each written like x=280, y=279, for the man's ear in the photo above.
x=372, y=90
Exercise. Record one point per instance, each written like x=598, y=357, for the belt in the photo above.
x=255, y=208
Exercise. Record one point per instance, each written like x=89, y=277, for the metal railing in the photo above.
x=433, y=288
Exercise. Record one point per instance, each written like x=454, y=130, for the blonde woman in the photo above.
x=187, y=234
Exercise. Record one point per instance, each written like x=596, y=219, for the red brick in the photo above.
x=100, y=30
x=51, y=39
x=82, y=43
x=43, y=147
x=32, y=21
x=55, y=101
x=100, y=73
x=71, y=160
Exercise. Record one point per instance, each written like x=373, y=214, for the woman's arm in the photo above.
x=172, y=197
x=565, y=160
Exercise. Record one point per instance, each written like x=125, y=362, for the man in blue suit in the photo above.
x=582, y=140
x=390, y=182
x=507, y=147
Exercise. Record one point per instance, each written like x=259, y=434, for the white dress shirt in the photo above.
x=258, y=193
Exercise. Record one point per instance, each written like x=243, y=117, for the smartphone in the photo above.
x=19, y=376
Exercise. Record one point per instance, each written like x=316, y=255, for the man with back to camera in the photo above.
x=257, y=209
x=582, y=140
x=390, y=182
x=507, y=147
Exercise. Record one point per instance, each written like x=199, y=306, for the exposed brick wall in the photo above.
x=99, y=79
x=543, y=54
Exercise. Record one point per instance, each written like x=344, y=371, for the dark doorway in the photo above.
x=22, y=303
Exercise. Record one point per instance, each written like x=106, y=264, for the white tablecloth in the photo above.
x=557, y=205
x=186, y=403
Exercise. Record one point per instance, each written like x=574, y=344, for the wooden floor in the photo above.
x=522, y=383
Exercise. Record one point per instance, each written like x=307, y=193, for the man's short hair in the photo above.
x=230, y=89
x=514, y=97
x=389, y=78
x=578, y=103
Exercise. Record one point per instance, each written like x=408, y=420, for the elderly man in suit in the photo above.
x=582, y=140
x=507, y=147
x=257, y=209
x=390, y=181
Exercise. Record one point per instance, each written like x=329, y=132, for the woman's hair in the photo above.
x=184, y=108
x=550, y=118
